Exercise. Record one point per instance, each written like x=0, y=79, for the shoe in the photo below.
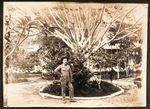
x=72, y=100
x=64, y=102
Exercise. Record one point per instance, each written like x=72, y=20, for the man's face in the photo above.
x=65, y=60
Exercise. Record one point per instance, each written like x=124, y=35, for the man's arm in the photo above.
x=57, y=69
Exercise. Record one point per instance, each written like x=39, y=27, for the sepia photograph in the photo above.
x=73, y=54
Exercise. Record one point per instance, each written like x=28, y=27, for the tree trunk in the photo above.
x=118, y=75
x=127, y=69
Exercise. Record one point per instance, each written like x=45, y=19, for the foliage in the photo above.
x=91, y=91
x=78, y=33
x=86, y=29
x=16, y=77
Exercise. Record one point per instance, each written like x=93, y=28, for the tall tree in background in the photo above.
x=84, y=30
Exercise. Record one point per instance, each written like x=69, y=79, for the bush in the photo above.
x=81, y=78
x=91, y=90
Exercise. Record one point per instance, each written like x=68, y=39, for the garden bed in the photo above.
x=106, y=90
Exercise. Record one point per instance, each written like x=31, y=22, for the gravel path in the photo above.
x=26, y=95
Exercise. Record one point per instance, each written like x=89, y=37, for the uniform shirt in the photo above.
x=65, y=71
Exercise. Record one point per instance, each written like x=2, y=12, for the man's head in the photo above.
x=64, y=60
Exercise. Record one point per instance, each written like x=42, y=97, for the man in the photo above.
x=66, y=78
x=111, y=74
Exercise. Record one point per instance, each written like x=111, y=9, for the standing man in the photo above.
x=66, y=79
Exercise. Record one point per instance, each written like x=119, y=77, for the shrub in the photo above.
x=16, y=77
x=91, y=90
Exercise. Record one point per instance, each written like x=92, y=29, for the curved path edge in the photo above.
x=80, y=98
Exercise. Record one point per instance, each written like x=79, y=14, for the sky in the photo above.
x=27, y=6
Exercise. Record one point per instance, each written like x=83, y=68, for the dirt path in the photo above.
x=26, y=95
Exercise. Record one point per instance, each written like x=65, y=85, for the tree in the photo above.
x=85, y=30
x=17, y=28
